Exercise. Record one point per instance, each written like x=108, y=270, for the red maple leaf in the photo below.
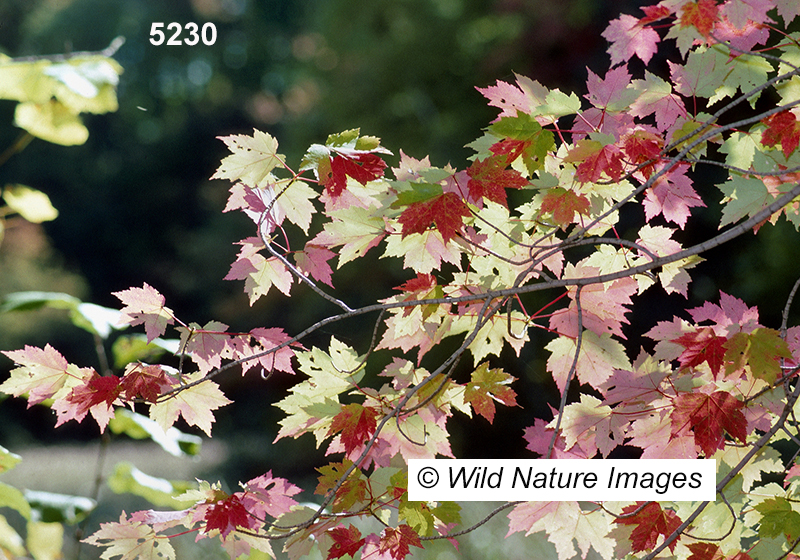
x=446, y=211
x=642, y=147
x=709, y=417
x=703, y=15
x=422, y=283
x=651, y=521
x=594, y=159
x=357, y=424
x=226, y=515
x=511, y=148
x=395, y=542
x=564, y=204
x=486, y=386
x=361, y=167
x=489, y=178
x=705, y=551
x=345, y=541
x=144, y=381
x=783, y=129
x=654, y=13
x=96, y=395
x=702, y=345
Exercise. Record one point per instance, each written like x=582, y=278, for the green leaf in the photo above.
x=135, y=348
x=31, y=204
x=744, y=196
x=8, y=460
x=10, y=539
x=137, y=426
x=93, y=318
x=58, y=508
x=11, y=497
x=778, y=518
x=158, y=491
x=416, y=192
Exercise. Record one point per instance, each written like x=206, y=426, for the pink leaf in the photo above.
x=628, y=37
x=145, y=306
x=672, y=196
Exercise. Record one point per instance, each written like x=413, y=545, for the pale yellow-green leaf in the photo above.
x=10, y=539
x=45, y=540
x=160, y=492
x=8, y=460
x=196, y=404
x=252, y=160
x=11, y=497
x=766, y=461
x=31, y=204
x=51, y=121
x=83, y=84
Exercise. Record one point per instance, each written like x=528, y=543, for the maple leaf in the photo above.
x=259, y=273
x=268, y=495
x=709, y=417
x=672, y=195
x=145, y=306
x=446, y=211
x=784, y=129
x=643, y=147
x=226, y=515
x=194, y=403
x=705, y=551
x=485, y=387
x=650, y=522
x=629, y=37
x=205, y=344
x=393, y=544
x=594, y=159
x=564, y=523
x=353, y=491
x=511, y=148
x=144, y=381
x=43, y=373
x=345, y=541
x=654, y=95
x=313, y=261
x=612, y=92
x=564, y=204
x=363, y=167
x=131, y=540
x=280, y=360
x=356, y=424
x=252, y=160
x=702, y=15
x=778, y=518
x=96, y=395
x=762, y=349
x=489, y=179
x=702, y=345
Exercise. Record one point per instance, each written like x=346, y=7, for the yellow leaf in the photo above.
x=31, y=204
x=51, y=121
x=45, y=540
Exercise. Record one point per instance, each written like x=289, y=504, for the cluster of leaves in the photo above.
x=51, y=93
x=544, y=189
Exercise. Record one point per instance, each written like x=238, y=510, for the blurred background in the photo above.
x=136, y=203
